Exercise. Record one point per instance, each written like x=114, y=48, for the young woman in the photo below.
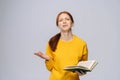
x=64, y=49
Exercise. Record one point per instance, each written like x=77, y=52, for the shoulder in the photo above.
x=80, y=40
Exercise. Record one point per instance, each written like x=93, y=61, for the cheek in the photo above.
x=71, y=23
x=59, y=23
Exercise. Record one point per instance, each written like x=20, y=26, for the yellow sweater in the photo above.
x=67, y=53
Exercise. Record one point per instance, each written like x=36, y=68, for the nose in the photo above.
x=64, y=21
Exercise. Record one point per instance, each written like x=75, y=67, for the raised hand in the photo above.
x=40, y=54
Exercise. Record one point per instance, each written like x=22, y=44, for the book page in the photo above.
x=87, y=64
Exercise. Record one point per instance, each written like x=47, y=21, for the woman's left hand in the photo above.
x=80, y=73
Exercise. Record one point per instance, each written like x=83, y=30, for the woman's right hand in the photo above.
x=40, y=54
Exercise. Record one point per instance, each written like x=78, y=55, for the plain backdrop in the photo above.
x=27, y=25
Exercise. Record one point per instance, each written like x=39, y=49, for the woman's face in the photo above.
x=64, y=22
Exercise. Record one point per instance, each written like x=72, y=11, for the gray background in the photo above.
x=27, y=25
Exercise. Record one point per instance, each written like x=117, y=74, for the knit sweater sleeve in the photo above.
x=49, y=63
x=85, y=53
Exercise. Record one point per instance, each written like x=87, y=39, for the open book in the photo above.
x=85, y=66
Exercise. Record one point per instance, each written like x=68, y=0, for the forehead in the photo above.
x=63, y=15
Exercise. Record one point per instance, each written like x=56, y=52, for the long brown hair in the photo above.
x=54, y=40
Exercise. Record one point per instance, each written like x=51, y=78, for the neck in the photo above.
x=67, y=36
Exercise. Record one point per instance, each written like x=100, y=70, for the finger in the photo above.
x=44, y=56
x=78, y=72
x=36, y=54
x=82, y=72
